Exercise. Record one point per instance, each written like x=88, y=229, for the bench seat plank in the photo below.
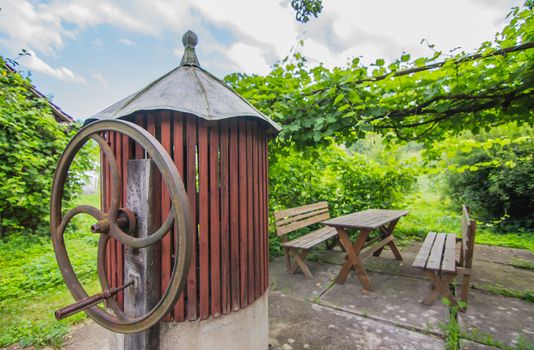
x=311, y=239
x=436, y=254
x=424, y=252
x=449, y=255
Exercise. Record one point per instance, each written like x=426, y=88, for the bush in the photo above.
x=349, y=182
x=31, y=142
x=494, y=174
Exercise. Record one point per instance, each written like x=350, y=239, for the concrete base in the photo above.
x=246, y=329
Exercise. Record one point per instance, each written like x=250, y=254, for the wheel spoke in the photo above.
x=135, y=242
x=81, y=209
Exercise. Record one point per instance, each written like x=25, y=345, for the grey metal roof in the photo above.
x=190, y=89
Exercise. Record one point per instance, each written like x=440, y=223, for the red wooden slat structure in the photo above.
x=223, y=166
x=218, y=142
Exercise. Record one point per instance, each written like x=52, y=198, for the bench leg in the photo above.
x=353, y=262
x=300, y=263
x=464, y=292
x=440, y=286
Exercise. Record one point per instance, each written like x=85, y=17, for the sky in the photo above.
x=88, y=54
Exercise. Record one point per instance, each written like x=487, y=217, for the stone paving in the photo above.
x=345, y=317
x=318, y=314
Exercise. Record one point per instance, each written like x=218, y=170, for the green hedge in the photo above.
x=349, y=182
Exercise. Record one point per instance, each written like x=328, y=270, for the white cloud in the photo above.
x=61, y=73
x=100, y=78
x=249, y=58
x=126, y=42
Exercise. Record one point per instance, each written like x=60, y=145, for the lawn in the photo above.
x=31, y=286
x=430, y=211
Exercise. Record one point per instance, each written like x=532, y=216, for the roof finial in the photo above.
x=189, y=40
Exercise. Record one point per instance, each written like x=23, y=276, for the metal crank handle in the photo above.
x=86, y=303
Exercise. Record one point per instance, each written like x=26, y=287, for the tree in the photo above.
x=411, y=99
x=306, y=8
x=31, y=142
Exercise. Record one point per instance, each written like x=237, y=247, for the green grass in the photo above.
x=31, y=286
x=430, y=212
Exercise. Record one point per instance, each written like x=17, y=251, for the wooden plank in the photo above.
x=263, y=239
x=353, y=262
x=449, y=255
x=299, y=210
x=142, y=265
x=139, y=151
x=225, y=219
x=367, y=219
x=255, y=170
x=113, y=241
x=166, y=242
x=243, y=224
x=250, y=214
x=178, y=158
x=436, y=253
x=291, y=219
x=203, y=210
x=311, y=239
x=424, y=252
x=107, y=196
x=126, y=155
x=368, y=252
x=191, y=173
x=300, y=224
x=266, y=210
x=215, y=234
x=234, y=215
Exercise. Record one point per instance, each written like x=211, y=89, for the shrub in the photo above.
x=494, y=174
x=349, y=182
x=31, y=142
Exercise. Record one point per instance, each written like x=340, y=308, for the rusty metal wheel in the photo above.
x=111, y=223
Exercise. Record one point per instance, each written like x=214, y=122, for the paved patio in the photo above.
x=318, y=314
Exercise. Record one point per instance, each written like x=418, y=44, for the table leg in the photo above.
x=388, y=231
x=353, y=262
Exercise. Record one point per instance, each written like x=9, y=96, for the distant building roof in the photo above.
x=59, y=115
x=189, y=89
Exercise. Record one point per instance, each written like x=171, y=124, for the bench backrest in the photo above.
x=292, y=219
x=468, y=237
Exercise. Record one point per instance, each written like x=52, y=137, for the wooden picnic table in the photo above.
x=365, y=221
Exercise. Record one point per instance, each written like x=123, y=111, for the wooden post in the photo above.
x=142, y=265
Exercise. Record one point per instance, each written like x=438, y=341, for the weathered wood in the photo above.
x=215, y=233
x=142, y=265
x=225, y=219
x=303, y=223
x=424, y=252
x=353, y=261
x=243, y=224
x=203, y=219
x=250, y=213
x=234, y=215
x=299, y=261
x=448, y=263
x=166, y=243
x=299, y=210
x=371, y=250
x=178, y=158
x=191, y=183
x=436, y=253
x=368, y=219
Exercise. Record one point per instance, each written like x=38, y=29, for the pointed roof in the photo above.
x=189, y=89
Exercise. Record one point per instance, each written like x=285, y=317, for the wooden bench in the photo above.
x=293, y=219
x=439, y=258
